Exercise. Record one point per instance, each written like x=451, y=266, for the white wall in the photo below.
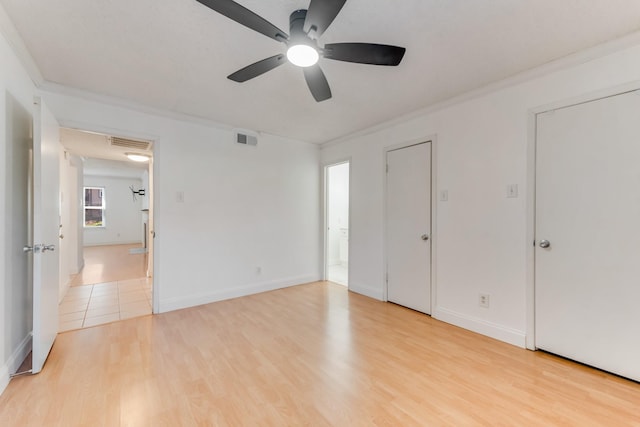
x=145, y=185
x=123, y=215
x=250, y=217
x=480, y=235
x=70, y=243
x=16, y=94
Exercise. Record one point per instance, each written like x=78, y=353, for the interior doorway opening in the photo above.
x=337, y=223
x=107, y=215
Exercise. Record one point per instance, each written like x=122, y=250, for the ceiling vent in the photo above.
x=245, y=137
x=130, y=143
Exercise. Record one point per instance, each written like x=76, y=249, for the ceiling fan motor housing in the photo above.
x=296, y=28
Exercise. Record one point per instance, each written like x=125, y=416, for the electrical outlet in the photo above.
x=483, y=300
x=444, y=195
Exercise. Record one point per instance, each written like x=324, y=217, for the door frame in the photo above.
x=325, y=221
x=153, y=186
x=530, y=288
x=434, y=200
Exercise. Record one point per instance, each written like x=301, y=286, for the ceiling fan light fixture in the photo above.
x=136, y=157
x=302, y=55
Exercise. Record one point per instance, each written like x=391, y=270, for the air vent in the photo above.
x=245, y=137
x=130, y=143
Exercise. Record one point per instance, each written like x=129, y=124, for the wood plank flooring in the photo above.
x=110, y=263
x=310, y=355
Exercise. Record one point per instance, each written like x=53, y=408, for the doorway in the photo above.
x=587, y=205
x=408, y=226
x=337, y=223
x=111, y=276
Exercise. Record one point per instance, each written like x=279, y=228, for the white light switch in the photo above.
x=512, y=191
x=444, y=195
x=180, y=196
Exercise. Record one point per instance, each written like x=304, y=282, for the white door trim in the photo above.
x=531, y=191
x=325, y=211
x=434, y=235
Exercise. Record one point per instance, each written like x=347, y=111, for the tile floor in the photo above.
x=91, y=305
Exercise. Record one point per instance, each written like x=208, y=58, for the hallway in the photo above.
x=111, y=263
x=112, y=286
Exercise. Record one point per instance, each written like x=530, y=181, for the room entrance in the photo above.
x=109, y=274
x=337, y=223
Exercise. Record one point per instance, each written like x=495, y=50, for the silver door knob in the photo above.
x=425, y=237
x=48, y=248
x=544, y=244
x=27, y=249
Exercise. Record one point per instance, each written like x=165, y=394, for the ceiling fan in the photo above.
x=305, y=27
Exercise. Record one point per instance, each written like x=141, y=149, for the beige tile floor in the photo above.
x=91, y=305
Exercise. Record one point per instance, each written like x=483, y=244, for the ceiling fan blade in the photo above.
x=257, y=68
x=317, y=83
x=364, y=53
x=321, y=14
x=244, y=16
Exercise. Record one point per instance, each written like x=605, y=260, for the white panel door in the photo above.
x=587, y=281
x=46, y=220
x=408, y=227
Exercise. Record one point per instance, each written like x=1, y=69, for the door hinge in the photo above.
x=387, y=168
x=387, y=278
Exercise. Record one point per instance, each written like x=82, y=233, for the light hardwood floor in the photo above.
x=110, y=263
x=312, y=355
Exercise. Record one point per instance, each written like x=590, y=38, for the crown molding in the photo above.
x=572, y=60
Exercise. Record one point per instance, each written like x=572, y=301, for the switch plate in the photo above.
x=483, y=300
x=444, y=195
x=180, y=196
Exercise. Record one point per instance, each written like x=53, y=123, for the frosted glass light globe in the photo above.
x=302, y=55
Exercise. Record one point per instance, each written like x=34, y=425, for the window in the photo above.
x=94, y=206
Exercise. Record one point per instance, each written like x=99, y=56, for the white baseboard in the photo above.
x=14, y=362
x=490, y=329
x=367, y=291
x=178, y=303
x=132, y=242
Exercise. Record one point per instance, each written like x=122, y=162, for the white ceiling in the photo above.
x=175, y=54
x=91, y=146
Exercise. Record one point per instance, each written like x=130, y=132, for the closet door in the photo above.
x=587, y=259
x=408, y=227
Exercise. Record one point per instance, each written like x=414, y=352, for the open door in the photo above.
x=46, y=220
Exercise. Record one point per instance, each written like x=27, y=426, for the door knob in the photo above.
x=48, y=248
x=544, y=244
x=425, y=237
x=27, y=249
